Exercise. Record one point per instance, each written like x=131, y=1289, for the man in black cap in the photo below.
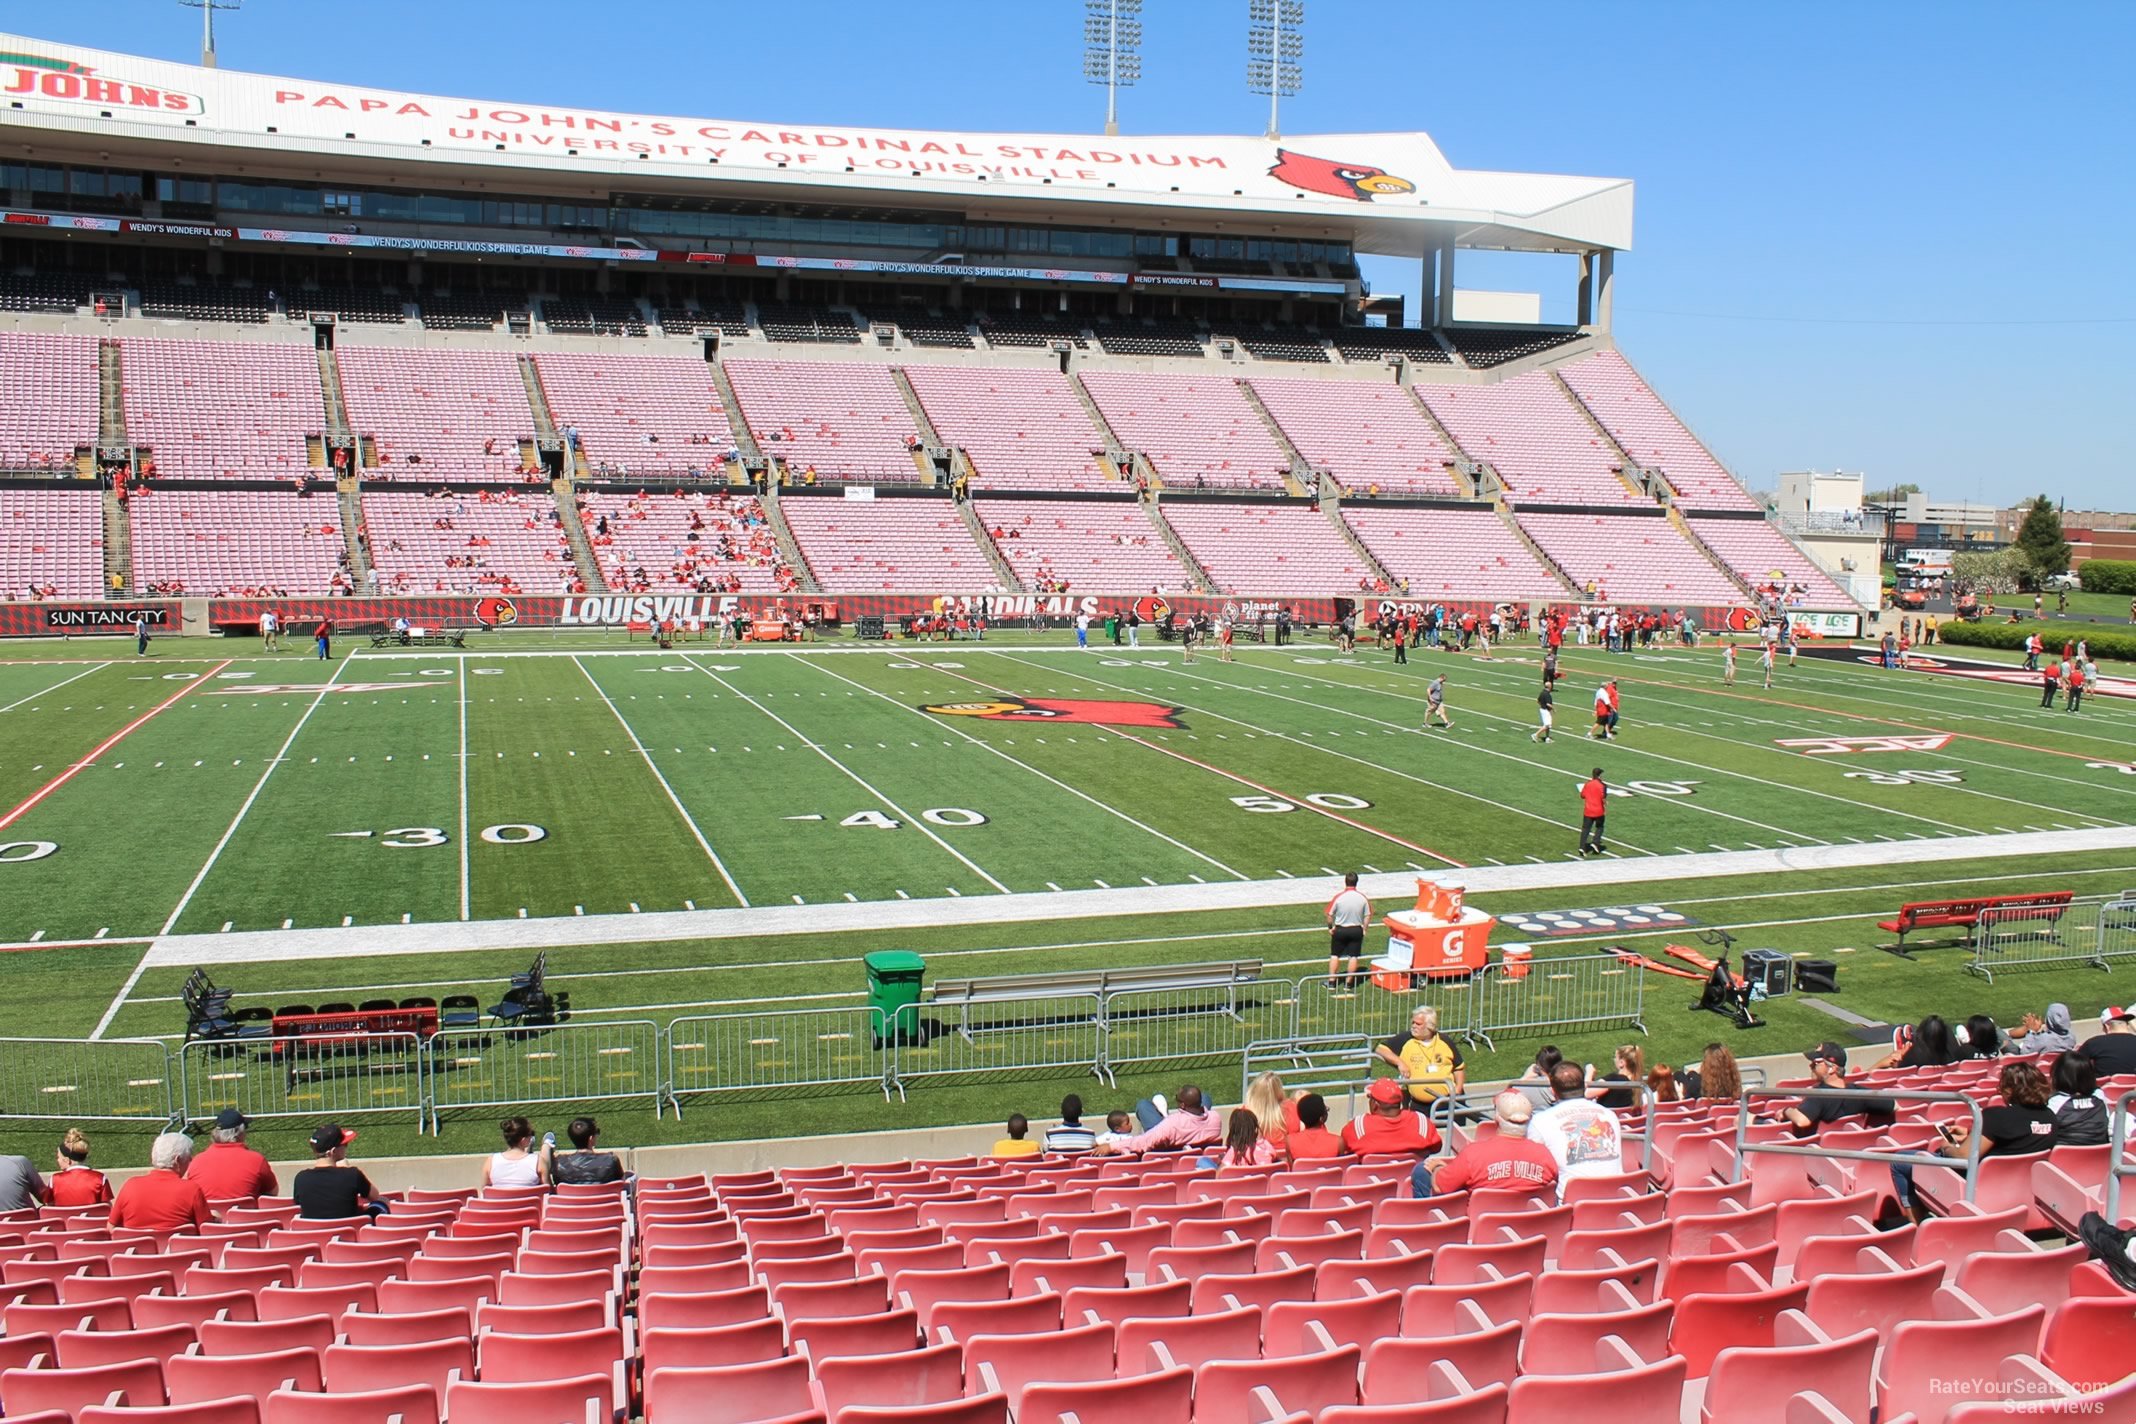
x=1828, y=1069
x=329, y=1189
x=228, y=1170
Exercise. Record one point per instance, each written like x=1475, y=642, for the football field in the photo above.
x=708, y=826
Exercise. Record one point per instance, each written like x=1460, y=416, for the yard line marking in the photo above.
x=466, y=882
x=102, y=747
x=1049, y=779
x=111, y=1010
x=57, y=686
x=855, y=777
x=1376, y=766
x=673, y=800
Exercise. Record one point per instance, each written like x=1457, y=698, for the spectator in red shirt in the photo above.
x=161, y=1199
x=1594, y=807
x=1507, y=1161
x=1388, y=1128
x=77, y=1183
x=228, y=1170
x=1311, y=1138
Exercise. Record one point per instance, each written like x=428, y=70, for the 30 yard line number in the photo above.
x=430, y=837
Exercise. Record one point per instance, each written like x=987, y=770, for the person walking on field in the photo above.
x=1765, y=659
x=2075, y=672
x=323, y=639
x=2050, y=682
x=140, y=631
x=1545, y=713
x=1594, y=808
x=1349, y=914
x=1605, y=711
x=1435, y=696
x=1728, y=662
x=1223, y=639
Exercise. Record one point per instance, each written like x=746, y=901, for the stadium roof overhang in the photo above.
x=1391, y=194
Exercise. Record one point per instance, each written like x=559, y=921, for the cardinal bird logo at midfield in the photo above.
x=1152, y=608
x=1358, y=181
x=496, y=613
x=1058, y=709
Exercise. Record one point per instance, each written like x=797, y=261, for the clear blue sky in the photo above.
x=1893, y=237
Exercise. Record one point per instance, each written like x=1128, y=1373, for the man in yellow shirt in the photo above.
x=1427, y=1058
x=1017, y=1143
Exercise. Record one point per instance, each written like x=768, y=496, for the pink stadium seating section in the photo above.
x=1122, y=1290
x=734, y=551
x=51, y=543
x=865, y=546
x=48, y=398
x=1100, y=545
x=1022, y=429
x=207, y=543
x=1651, y=434
x=522, y=547
x=1530, y=431
x=616, y=402
x=1630, y=558
x=1286, y=549
x=846, y=420
x=437, y=415
x=1452, y=553
x=222, y=409
x=1368, y=435
x=1757, y=551
x=1196, y=430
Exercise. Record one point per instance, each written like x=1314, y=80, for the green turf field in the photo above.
x=189, y=807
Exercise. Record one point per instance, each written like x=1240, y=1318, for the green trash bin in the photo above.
x=894, y=977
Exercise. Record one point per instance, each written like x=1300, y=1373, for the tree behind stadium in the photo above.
x=2040, y=540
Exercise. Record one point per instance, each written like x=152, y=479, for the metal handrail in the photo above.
x=1473, y=1104
x=2118, y=1165
x=1861, y=1154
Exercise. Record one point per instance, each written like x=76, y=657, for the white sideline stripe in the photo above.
x=673, y=800
x=855, y=777
x=1054, y=781
x=1314, y=927
x=229, y=833
x=99, y=667
x=264, y=946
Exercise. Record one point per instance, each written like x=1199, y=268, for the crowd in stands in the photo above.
x=685, y=540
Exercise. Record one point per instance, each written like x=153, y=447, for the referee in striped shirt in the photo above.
x=1348, y=915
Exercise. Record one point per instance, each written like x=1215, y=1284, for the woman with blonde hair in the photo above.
x=1628, y=1068
x=1716, y=1075
x=1266, y=1099
x=77, y=1183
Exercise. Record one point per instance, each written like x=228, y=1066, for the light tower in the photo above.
x=1275, y=45
x=1112, y=51
x=207, y=9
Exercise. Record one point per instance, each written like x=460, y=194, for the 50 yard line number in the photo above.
x=1326, y=800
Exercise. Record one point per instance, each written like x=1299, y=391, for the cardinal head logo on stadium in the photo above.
x=1057, y=709
x=1359, y=181
x=1152, y=609
x=496, y=613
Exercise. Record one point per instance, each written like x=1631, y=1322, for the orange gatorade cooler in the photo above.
x=1516, y=958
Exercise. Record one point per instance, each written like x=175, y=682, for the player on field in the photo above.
x=1545, y=709
x=1348, y=915
x=1435, y=695
x=1728, y=662
x=1594, y=809
x=1223, y=637
x=1189, y=635
x=1605, y=711
x=1765, y=661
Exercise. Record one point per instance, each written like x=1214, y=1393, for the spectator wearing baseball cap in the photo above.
x=2113, y=1049
x=329, y=1189
x=1828, y=1070
x=228, y=1170
x=1388, y=1128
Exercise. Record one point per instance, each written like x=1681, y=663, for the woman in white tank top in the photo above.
x=520, y=1164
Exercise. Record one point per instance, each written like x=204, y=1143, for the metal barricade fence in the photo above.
x=323, y=1079
x=108, y=1080
x=1056, y=1032
x=1970, y=1163
x=600, y=1060
x=774, y=1050
x=2019, y=937
x=1322, y=1012
x=1313, y=1065
x=1575, y=991
x=1150, y=1026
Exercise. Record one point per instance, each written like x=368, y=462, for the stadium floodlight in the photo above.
x=1112, y=53
x=1275, y=51
x=207, y=9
